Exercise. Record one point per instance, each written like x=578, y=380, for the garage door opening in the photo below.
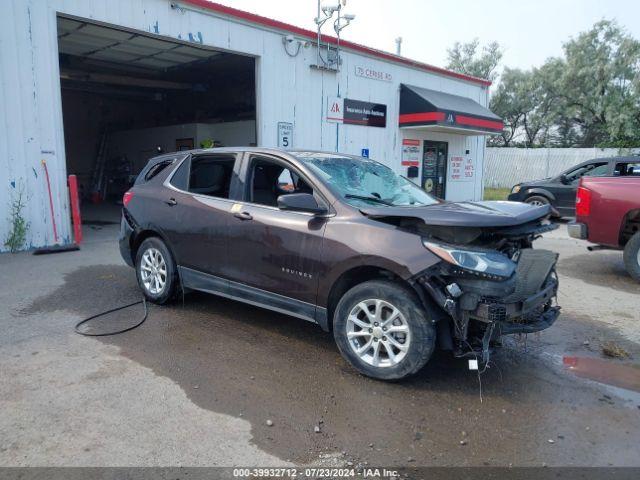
x=128, y=95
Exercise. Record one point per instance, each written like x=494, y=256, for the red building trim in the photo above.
x=421, y=117
x=479, y=122
x=269, y=22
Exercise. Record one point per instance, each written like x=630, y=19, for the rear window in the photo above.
x=211, y=175
x=157, y=168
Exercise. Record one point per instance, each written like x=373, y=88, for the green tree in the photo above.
x=509, y=102
x=469, y=59
x=600, y=86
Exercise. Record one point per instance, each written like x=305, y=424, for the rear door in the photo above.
x=274, y=254
x=198, y=197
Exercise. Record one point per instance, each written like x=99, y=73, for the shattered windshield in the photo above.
x=364, y=182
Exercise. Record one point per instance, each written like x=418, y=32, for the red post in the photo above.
x=75, y=209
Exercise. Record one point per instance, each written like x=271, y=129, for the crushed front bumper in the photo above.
x=532, y=314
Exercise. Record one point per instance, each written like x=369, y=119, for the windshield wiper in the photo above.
x=367, y=197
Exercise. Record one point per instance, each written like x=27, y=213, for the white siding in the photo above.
x=288, y=91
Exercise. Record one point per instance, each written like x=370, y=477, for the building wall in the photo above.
x=288, y=90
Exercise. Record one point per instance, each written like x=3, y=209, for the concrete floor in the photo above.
x=197, y=382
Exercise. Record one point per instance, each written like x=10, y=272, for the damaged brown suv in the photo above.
x=346, y=243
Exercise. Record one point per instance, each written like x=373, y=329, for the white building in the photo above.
x=83, y=80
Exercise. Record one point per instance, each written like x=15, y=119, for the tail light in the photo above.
x=126, y=198
x=583, y=202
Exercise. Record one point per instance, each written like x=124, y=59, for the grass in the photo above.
x=496, y=193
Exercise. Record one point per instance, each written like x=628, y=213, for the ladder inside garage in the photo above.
x=97, y=176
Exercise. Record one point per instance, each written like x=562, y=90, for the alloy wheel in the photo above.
x=378, y=333
x=153, y=271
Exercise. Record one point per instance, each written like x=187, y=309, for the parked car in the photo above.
x=346, y=243
x=560, y=191
x=608, y=214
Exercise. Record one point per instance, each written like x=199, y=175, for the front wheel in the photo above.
x=537, y=200
x=383, y=330
x=632, y=256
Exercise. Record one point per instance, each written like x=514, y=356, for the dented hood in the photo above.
x=465, y=214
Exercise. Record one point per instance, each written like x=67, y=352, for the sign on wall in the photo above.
x=335, y=109
x=461, y=169
x=285, y=134
x=410, y=152
x=373, y=73
x=356, y=112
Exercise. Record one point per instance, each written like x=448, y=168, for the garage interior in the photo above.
x=128, y=95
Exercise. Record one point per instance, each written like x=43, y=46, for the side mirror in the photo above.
x=300, y=202
x=564, y=180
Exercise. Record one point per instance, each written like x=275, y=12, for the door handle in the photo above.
x=243, y=215
x=171, y=202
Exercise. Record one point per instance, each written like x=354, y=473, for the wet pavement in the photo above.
x=243, y=362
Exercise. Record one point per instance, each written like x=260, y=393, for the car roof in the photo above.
x=263, y=150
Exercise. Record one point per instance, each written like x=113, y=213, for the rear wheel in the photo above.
x=383, y=330
x=632, y=256
x=156, y=271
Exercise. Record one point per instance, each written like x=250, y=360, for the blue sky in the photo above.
x=529, y=31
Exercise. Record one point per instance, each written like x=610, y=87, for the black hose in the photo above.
x=82, y=322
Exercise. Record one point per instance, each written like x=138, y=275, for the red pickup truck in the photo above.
x=608, y=214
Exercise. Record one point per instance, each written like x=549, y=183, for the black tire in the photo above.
x=422, y=332
x=171, y=286
x=632, y=256
x=537, y=199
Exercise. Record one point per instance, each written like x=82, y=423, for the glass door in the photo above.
x=434, y=168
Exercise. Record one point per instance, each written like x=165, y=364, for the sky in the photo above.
x=529, y=31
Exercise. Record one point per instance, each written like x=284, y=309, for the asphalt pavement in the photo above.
x=208, y=381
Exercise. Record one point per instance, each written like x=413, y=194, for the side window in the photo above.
x=627, y=169
x=211, y=175
x=589, y=170
x=598, y=170
x=270, y=179
x=180, y=178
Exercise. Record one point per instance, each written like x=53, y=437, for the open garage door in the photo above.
x=128, y=95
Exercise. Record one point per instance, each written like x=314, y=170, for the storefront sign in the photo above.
x=364, y=113
x=461, y=169
x=410, y=152
x=285, y=134
x=372, y=73
x=356, y=112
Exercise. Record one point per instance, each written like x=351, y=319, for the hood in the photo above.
x=536, y=183
x=465, y=214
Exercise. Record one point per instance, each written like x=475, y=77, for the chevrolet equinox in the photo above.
x=343, y=242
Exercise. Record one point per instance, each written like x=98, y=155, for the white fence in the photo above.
x=504, y=167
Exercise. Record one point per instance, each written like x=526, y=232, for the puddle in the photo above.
x=619, y=375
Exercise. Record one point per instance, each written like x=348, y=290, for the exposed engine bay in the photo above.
x=490, y=282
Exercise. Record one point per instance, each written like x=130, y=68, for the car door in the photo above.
x=274, y=254
x=198, y=194
x=565, y=193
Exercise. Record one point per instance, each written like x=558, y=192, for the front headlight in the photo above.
x=515, y=189
x=487, y=264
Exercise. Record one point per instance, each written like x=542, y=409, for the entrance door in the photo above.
x=434, y=168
